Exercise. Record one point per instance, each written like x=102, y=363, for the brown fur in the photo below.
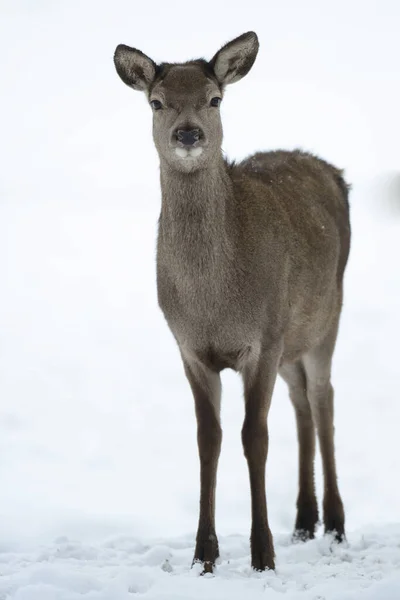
x=250, y=263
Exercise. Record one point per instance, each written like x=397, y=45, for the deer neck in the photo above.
x=197, y=220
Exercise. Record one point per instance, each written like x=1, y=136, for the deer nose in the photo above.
x=188, y=137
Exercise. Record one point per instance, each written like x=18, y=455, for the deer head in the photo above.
x=185, y=99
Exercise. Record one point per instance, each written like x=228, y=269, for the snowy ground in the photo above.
x=120, y=567
x=98, y=458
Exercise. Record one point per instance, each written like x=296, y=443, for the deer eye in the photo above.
x=215, y=101
x=156, y=104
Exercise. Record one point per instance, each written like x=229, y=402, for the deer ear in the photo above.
x=236, y=58
x=135, y=68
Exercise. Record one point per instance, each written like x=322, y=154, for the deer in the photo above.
x=250, y=265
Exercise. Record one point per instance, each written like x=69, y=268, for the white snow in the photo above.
x=117, y=568
x=98, y=458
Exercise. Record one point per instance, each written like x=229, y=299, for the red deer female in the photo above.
x=250, y=263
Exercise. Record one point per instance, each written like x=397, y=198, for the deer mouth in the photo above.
x=188, y=152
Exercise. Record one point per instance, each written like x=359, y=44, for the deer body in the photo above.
x=218, y=287
x=250, y=262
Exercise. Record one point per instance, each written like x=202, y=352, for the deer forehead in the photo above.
x=185, y=84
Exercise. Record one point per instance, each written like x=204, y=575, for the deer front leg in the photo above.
x=206, y=388
x=259, y=382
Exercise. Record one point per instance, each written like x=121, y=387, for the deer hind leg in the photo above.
x=206, y=388
x=307, y=506
x=317, y=364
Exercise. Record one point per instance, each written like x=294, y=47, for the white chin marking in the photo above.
x=196, y=152
x=181, y=152
x=192, y=153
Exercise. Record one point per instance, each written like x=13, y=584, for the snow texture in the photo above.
x=98, y=459
x=120, y=567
